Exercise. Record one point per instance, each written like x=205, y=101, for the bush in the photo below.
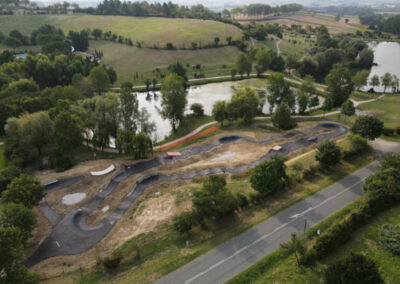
x=112, y=262
x=398, y=130
x=184, y=222
x=389, y=236
x=388, y=131
x=269, y=176
x=368, y=127
x=198, y=110
x=353, y=269
x=328, y=154
x=358, y=144
x=309, y=172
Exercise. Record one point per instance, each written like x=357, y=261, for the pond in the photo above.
x=21, y=55
x=387, y=59
x=206, y=95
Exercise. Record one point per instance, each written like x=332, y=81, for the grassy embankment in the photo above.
x=163, y=251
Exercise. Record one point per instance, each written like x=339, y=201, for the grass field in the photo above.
x=386, y=109
x=295, y=45
x=163, y=251
x=127, y=60
x=304, y=18
x=151, y=31
x=282, y=268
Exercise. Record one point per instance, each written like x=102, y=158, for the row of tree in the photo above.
x=264, y=9
x=19, y=194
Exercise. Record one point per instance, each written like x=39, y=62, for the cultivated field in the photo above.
x=151, y=31
x=304, y=18
x=128, y=60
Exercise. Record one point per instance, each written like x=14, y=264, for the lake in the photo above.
x=387, y=58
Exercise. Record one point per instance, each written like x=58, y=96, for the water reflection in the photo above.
x=387, y=59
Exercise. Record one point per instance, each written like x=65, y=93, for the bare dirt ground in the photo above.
x=158, y=205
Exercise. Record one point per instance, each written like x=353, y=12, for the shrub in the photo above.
x=309, y=172
x=112, y=262
x=389, y=236
x=353, y=269
x=269, y=176
x=198, y=110
x=388, y=131
x=358, y=144
x=328, y=154
x=184, y=222
x=398, y=130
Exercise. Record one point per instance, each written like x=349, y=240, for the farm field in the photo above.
x=128, y=60
x=150, y=31
x=304, y=18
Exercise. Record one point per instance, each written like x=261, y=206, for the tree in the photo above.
x=67, y=137
x=10, y=258
x=366, y=58
x=99, y=79
x=348, y=108
x=243, y=65
x=25, y=190
x=12, y=42
x=144, y=124
x=173, y=99
x=358, y=144
x=296, y=245
x=328, y=154
x=178, y=69
x=129, y=109
x=327, y=105
x=263, y=61
x=353, y=269
x=214, y=199
x=18, y=216
x=340, y=85
x=313, y=102
x=278, y=89
x=31, y=130
x=368, y=127
x=244, y=104
x=395, y=83
x=197, y=109
x=101, y=138
x=143, y=146
x=7, y=175
x=386, y=80
x=219, y=111
x=97, y=33
x=147, y=82
x=269, y=176
x=281, y=117
x=303, y=102
x=361, y=79
x=375, y=81
x=184, y=222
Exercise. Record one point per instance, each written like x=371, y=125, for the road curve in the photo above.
x=70, y=234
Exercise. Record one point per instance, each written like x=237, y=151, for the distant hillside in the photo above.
x=151, y=31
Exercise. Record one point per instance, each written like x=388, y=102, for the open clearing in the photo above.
x=128, y=60
x=150, y=31
x=304, y=19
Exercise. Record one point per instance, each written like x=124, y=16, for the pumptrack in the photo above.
x=71, y=235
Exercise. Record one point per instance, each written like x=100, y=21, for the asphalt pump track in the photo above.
x=71, y=235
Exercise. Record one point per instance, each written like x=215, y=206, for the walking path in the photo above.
x=70, y=233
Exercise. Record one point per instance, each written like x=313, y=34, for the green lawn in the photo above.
x=280, y=267
x=386, y=109
x=151, y=31
x=362, y=96
x=128, y=60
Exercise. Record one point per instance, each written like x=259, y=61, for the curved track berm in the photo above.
x=71, y=235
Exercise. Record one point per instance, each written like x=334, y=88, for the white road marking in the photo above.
x=301, y=214
x=267, y=235
x=58, y=244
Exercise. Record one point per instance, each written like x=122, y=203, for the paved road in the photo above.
x=234, y=256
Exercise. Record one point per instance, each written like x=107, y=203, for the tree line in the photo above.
x=264, y=9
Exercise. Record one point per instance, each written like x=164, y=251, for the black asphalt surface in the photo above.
x=70, y=234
